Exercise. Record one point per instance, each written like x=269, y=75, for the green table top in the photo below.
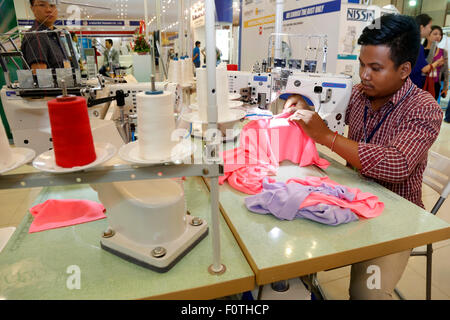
x=279, y=250
x=34, y=266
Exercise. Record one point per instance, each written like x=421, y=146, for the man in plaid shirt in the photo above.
x=392, y=124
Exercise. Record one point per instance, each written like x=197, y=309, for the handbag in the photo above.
x=429, y=82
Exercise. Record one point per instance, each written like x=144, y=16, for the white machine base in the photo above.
x=197, y=132
x=141, y=254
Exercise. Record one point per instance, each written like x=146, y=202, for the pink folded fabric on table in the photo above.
x=54, y=214
x=364, y=204
x=248, y=180
x=263, y=145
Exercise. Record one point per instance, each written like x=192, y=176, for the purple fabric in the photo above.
x=327, y=214
x=284, y=200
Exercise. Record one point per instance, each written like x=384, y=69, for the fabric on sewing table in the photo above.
x=364, y=204
x=263, y=145
x=54, y=214
x=284, y=202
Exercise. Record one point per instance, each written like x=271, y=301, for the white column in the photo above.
x=278, y=27
x=189, y=44
x=180, y=28
x=210, y=11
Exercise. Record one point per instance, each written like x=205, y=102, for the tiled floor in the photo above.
x=14, y=205
x=335, y=283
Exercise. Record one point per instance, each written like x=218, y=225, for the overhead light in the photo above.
x=412, y=3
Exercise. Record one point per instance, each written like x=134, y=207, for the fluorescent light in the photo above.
x=412, y=3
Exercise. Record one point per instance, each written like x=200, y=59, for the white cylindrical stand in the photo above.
x=278, y=27
x=210, y=27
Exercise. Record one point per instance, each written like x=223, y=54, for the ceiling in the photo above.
x=120, y=9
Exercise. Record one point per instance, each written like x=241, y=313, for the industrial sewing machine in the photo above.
x=299, y=68
x=25, y=100
x=329, y=93
x=111, y=102
x=111, y=108
x=156, y=230
x=27, y=114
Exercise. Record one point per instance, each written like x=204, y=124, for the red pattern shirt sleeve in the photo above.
x=353, y=97
x=410, y=143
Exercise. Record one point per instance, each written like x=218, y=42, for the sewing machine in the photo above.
x=156, y=230
x=329, y=93
x=25, y=100
x=27, y=113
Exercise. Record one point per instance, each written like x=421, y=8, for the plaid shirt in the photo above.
x=396, y=156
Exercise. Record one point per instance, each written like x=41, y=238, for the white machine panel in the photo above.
x=134, y=88
x=329, y=93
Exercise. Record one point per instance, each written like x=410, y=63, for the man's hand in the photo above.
x=314, y=126
x=294, y=103
x=444, y=93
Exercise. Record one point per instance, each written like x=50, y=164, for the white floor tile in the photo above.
x=413, y=286
x=337, y=289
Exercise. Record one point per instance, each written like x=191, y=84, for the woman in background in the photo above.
x=434, y=54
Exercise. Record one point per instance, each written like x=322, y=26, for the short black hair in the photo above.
x=197, y=43
x=110, y=41
x=398, y=32
x=423, y=19
x=31, y=2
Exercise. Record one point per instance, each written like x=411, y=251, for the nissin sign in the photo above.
x=360, y=15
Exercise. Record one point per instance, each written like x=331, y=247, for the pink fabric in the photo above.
x=247, y=179
x=54, y=214
x=263, y=145
x=364, y=204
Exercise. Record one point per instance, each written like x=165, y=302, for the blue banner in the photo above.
x=327, y=7
x=24, y=22
x=105, y=23
x=224, y=9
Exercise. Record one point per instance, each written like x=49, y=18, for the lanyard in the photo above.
x=367, y=139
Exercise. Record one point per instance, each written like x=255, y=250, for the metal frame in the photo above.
x=212, y=116
x=436, y=176
x=108, y=174
x=211, y=169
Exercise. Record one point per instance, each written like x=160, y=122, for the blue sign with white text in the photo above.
x=105, y=23
x=326, y=7
x=334, y=85
x=260, y=78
